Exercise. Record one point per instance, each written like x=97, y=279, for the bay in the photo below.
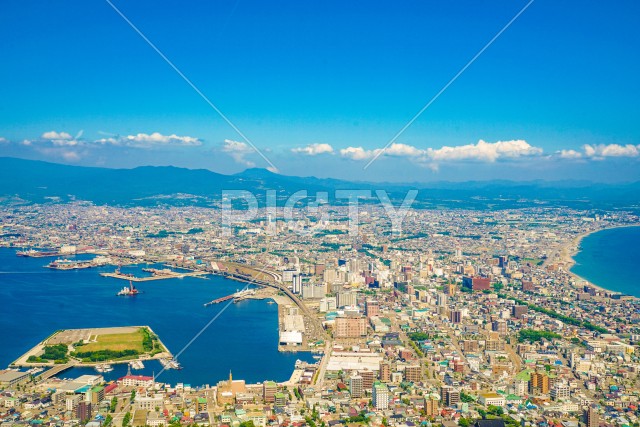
x=36, y=301
x=609, y=259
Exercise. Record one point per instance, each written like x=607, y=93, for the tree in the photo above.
x=247, y=424
x=482, y=413
x=133, y=395
x=126, y=420
x=107, y=420
x=114, y=404
x=463, y=422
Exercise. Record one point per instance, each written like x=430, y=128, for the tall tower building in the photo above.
x=591, y=416
x=355, y=386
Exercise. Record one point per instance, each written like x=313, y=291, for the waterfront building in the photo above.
x=136, y=381
x=269, y=390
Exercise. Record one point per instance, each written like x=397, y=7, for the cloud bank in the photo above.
x=313, y=149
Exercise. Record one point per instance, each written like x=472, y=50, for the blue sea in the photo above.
x=610, y=258
x=36, y=301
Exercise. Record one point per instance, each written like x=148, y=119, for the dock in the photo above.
x=172, y=275
x=54, y=371
x=238, y=296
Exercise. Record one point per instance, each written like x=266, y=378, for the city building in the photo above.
x=380, y=396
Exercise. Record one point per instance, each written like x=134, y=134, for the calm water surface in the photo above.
x=36, y=302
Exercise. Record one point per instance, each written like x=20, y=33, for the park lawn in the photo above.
x=116, y=342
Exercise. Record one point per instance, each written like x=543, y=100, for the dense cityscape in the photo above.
x=241, y=213
x=459, y=317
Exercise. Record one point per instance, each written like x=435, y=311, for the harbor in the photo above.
x=163, y=275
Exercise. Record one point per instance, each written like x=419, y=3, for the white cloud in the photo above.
x=482, y=151
x=61, y=139
x=402, y=150
x=485, y=151
x=569, y=154
x=3, y=140
x=56, y=135
x=611, y=150
x=356, y=153
x=238, y=151
x=155, y=139
x=313, y=149
x=601, y=151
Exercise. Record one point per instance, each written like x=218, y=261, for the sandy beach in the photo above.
x=570, y=250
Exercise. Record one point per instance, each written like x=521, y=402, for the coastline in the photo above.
x=571, y=249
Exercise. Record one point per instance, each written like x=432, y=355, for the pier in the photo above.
x=219, y=300
x=238, y=296
x=55, y=371
x=165, y=275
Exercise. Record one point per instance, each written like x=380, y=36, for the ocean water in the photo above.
x=610, y=259
x=35, y=302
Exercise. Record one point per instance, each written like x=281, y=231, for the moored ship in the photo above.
x=128, y=291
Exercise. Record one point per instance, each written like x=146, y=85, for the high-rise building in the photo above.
x=367, y=378
x=269, y=390
x=560, y=392
x=455, y=316
x=380, y=396
x=83, y=411
x=476, y=283
x=296, y=281
x=518, y=311
x=441, y=300
x=431, y=406
x=385, y=372
x=592, y=419
x=499, y=326
x=319, y=269
x=413, y=373
x=449, y=395
x=350, y=327
x=346, y=298
x=450, y=289
x=371, y=308
x=539, y=383
x=355, y=386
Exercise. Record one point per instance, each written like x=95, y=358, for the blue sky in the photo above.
x=321, y=87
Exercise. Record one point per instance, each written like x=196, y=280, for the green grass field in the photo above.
x=117, y=342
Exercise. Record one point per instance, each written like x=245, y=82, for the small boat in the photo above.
x=137, y=364
x=104, y=368
x=128, y=291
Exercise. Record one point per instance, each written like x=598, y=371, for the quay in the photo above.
x=164, y=275
x=238, y=296
x=54, y=371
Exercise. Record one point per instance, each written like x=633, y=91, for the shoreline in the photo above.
x=572, y=248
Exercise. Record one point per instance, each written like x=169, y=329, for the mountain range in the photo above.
x=30, y=181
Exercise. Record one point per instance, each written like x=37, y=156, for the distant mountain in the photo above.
x=30, y=181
